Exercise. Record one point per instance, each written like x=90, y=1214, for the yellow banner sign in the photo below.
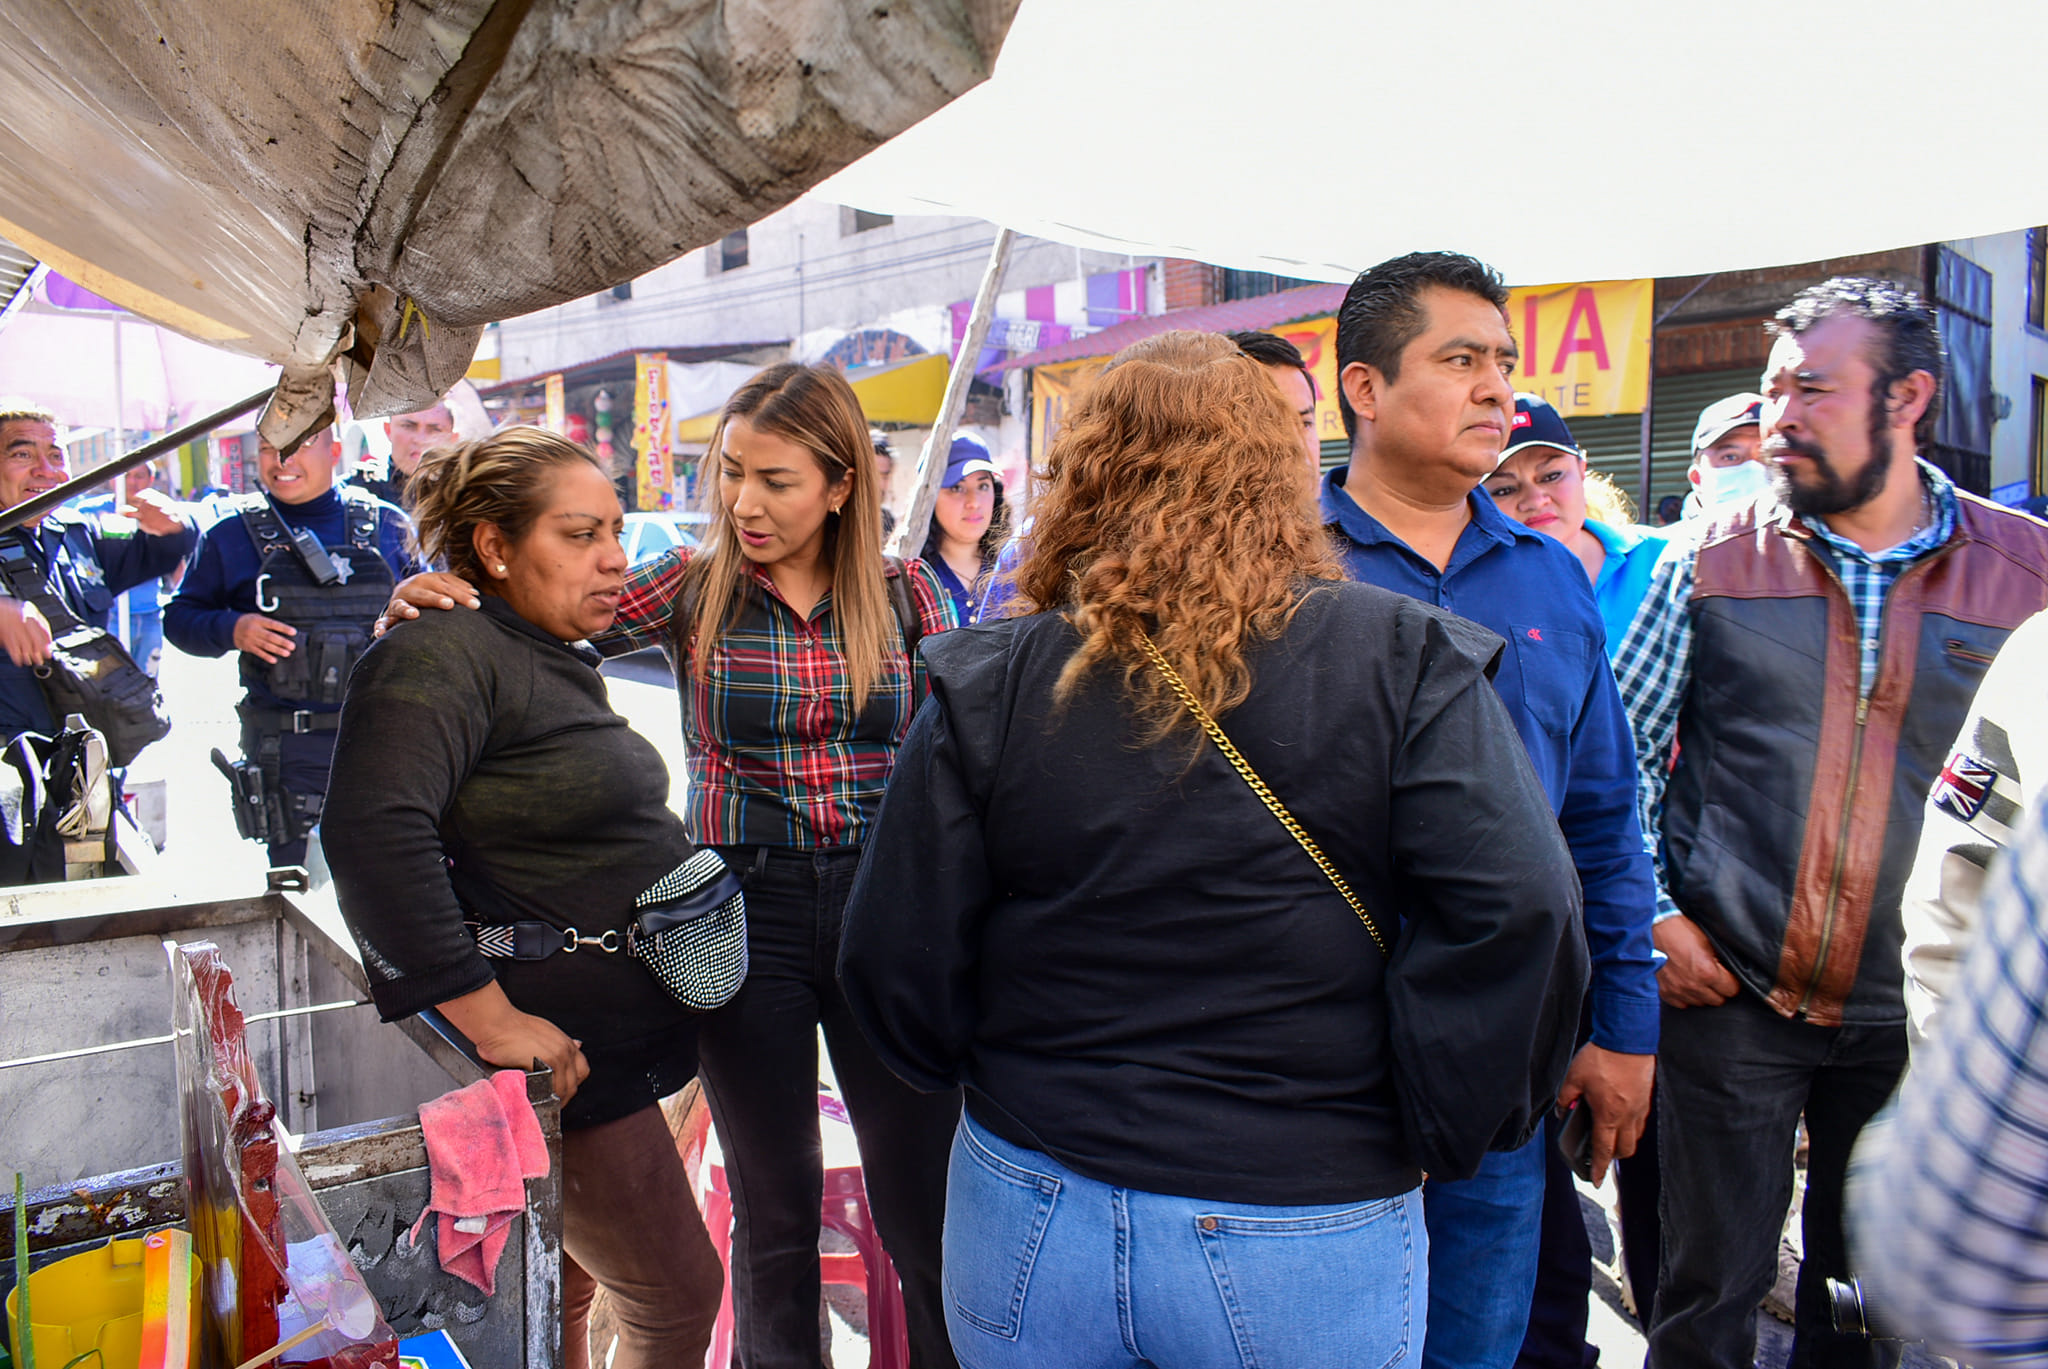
x=651, y=429
x=1585, y=348
x=1054, y=387
x=557, y=404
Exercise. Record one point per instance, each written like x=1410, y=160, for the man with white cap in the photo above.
x=1727, y=454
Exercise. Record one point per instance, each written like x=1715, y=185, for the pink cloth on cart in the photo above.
x=483, y=1144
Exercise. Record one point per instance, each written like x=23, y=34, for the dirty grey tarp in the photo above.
x=375, y=180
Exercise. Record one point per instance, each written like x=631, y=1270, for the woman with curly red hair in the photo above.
x=1209, y=1042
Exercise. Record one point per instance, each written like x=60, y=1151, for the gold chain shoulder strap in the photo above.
x=1258, y=786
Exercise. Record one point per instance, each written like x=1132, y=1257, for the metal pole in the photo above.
x=120, y=402
x=1643, y=504
x=148, y=451
x=931, y=463
x=82, y=1052
x=1650, y=386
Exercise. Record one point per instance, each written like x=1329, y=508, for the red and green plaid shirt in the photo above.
x=772, y=749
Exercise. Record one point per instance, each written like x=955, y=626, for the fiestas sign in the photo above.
x=651, y=429
x=1585, y=348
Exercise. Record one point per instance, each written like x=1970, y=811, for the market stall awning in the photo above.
x=906, y=392
x=617, y=368
x=1576, y=140
x=1238, y=315
x=370, y=182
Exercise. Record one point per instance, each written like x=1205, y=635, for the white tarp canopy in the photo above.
x=364, y=184
x=1577, y=140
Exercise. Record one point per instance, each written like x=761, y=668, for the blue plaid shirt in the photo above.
x=1653, y=664
x=1948, y=1197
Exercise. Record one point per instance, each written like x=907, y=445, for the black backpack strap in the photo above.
x=897, y=578
x=28, y=582
x=361, y=514
x=266, y=529
x=18, y=569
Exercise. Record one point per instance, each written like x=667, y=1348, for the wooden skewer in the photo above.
x=274, y=1351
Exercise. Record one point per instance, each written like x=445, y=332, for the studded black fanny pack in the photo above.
x=689, y=929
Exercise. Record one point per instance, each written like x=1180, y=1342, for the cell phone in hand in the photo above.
x=1576, y=1141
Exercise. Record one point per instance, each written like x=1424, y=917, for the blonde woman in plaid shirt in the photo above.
x=792, y=640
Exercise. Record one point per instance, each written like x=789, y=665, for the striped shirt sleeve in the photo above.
x=647, y=606
x=935, y=615
x=1948, y=1195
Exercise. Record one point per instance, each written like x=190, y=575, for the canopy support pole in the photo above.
x=113, y=470
x=931, y=463
x=1649, y=402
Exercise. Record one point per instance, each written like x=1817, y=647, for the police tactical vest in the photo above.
x=333, y=620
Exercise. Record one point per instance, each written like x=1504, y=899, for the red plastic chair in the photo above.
x=845, y=1210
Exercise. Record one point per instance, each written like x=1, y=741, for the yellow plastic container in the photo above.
x=85, y=1302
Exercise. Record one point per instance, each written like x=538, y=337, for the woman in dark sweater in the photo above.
x=795, y=652
x=477, y=753
x=1199, y=1098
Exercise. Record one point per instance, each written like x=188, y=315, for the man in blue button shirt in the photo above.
x=1424, y=357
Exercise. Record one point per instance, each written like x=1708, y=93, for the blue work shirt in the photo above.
x=220, y=586
x=1555, y=681
x=87, y=568
x=1632, y=553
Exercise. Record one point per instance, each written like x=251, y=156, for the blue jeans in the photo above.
x=1484, y=1233
x=1045, y=1267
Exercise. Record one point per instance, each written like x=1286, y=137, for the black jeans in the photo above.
x=1637, y=1183
x=1556, y=1338
x=1732, y=1082
x=758, y=1058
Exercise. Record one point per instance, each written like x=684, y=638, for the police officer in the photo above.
x=412, y=436
x=293, y=578
x=64, y=554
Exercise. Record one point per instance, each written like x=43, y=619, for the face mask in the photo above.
x=1730, y=485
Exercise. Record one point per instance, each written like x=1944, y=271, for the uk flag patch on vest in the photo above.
x=1964, y=786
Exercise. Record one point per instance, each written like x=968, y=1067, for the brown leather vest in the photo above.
x=1792, y=816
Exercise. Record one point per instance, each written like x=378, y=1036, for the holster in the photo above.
x=253, y=803
x=286, y=814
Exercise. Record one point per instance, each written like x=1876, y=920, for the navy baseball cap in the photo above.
x=1724, y=416
x=1537, y=424
x=967, y=455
